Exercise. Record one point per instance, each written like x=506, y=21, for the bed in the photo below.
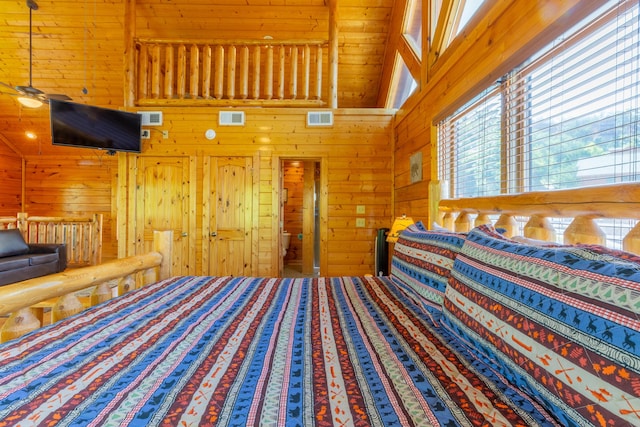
x=248, y=351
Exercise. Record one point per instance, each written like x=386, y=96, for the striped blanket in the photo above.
x=241, y=351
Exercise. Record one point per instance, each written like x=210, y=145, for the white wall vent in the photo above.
x=231, y=118
x=320, y=118
x=151, y=118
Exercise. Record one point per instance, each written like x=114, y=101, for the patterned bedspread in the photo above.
x=253, y=351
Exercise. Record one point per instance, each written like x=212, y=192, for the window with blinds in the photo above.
x=566, y=119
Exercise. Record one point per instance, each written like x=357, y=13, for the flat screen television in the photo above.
x=87, y=126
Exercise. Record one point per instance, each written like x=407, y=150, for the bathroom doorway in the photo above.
x=300, y=217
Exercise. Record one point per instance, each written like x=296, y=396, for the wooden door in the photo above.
x=228, y=201
x=163, y=203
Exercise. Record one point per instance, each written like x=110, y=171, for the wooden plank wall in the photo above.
x=503, y=35
x=11, y=181
x=74, y=186
x=358, y=172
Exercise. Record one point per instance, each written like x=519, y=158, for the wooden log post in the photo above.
x=631, y=242
x=281, y=68
x=318, y=94
x=306, y=58
x=256, y=72
x=169, y=71
x=268, y=73
x=231, y=73
x=155, y=71
x=244, y=72
x=539, y=228
x=584, y=230
x=206, y=71
x=481, y=219
x=163, y=244
x=462, y=223
x=143, y=74
x=194, y=72
x=293, y=73
x=507, y=223
x=19, y=323
x=448, y=221
x=182, y=71
x=67, y=305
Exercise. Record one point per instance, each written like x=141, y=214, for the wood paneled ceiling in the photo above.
x=78, y=47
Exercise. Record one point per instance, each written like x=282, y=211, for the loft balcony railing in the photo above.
x=221, y=73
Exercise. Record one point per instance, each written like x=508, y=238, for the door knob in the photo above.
x=184, y=234
x=214, y=234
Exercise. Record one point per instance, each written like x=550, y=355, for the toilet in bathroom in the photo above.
x=286, y=240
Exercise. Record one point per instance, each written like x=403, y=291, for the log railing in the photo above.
x=223, y=73
x=21, y=299
x=82, y=235
x=586, y=208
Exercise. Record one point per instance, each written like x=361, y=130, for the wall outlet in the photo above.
x=165, y=134
x=359, y=222
x=145, y=134
x=360, y=209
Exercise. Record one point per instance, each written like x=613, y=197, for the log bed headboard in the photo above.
x=531, y=214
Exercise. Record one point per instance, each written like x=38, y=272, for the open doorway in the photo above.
x=300, y=216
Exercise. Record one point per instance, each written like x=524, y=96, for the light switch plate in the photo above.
x=360, y=209
x=359, y=222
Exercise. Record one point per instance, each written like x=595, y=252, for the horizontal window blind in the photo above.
x=566, y=119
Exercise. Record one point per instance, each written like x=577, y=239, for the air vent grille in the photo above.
x=151, y=118
x=231, y=118
x=320, y=118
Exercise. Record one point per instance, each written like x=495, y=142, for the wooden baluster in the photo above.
x=268, y=74
x=631, y=242
x=244, y=72
x=293, y=83
x=584, y=230
x=507, y=223
x=539, y=228
x=126, y=284
x=67, y=305
x=182, y=71
x=18, y=324
x=169, y=72
x=206, y=72
x=150, y=275
x=143, y=75
x=155, y=71
x=448, y=220
x=462, y=223
x=318, y=94
x=101, y=293
x=218, y=77
x=306, y=58
x=231, y=73
x=481, y=219
x=281, y=56
x=194, y=73
x=256, y=72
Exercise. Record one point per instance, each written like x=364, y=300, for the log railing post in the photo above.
x=182, y=71
x=584, y=230
x=507, y=223
x=169, y=71
x=231, y=73
x=206, y=72
x=244, y=72
x=481, y=219
x=539, y=228
x=462, y=223
x=218, y=75
x=256, y=72
x=293, y=73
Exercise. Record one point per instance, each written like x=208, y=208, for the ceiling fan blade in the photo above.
x=58, y=96
x=16, y=91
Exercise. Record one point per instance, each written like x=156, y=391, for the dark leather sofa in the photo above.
x=21, y=261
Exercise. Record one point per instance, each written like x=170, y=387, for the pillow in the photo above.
x=562, y=323
x=421, y=263
x=12, y=243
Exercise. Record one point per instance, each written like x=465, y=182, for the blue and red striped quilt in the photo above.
x=226, y=351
